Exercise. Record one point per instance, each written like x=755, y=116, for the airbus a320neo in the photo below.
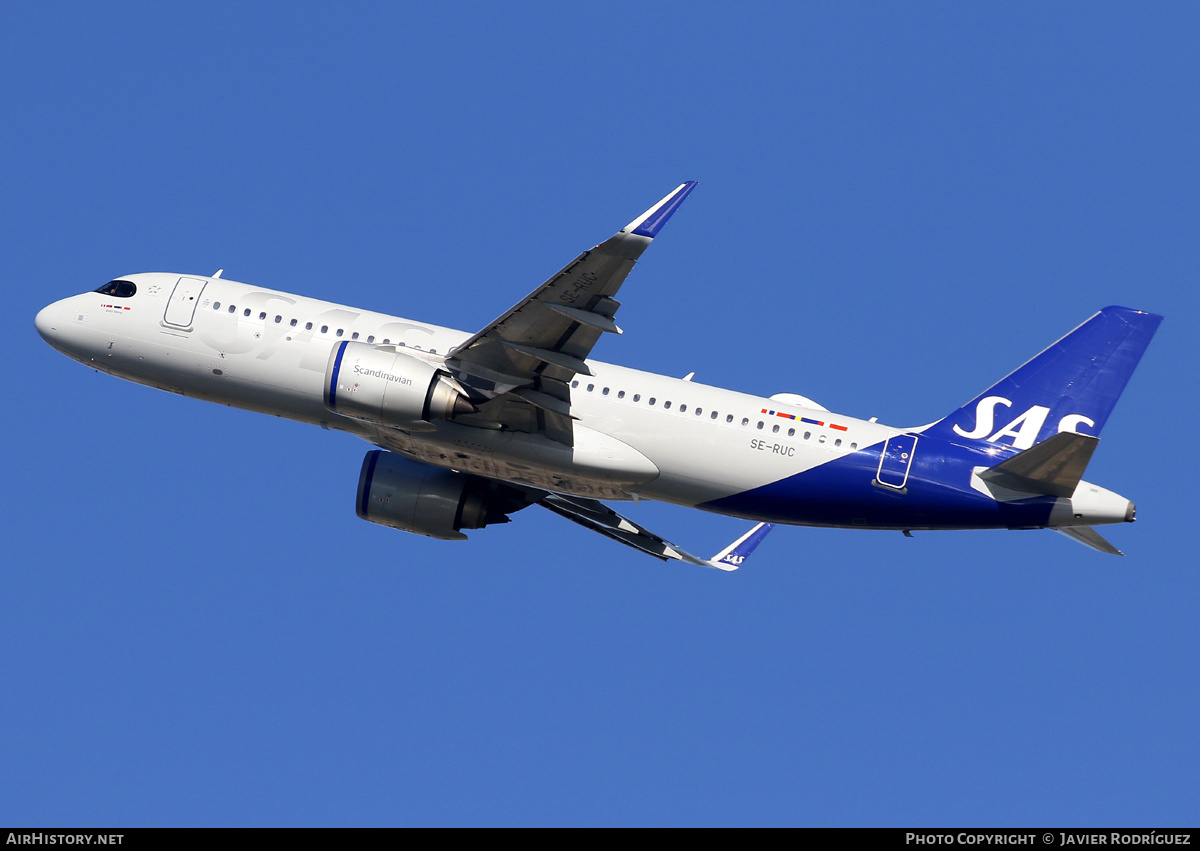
x=471, y=428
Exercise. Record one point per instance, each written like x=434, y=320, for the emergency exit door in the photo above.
x=896, y=460
x=182, y=305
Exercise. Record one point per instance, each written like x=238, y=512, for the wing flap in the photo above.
x=590, y=318
x=545, y=401
x=561, y=359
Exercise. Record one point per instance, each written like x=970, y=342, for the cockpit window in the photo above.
x=119, y=289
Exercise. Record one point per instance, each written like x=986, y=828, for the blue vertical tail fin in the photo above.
x=1071, y=386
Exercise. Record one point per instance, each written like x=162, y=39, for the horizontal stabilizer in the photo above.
x=1089, y=537
x=1052, y=467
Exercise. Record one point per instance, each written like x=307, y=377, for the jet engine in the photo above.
x=387, y=386
x=395, y=491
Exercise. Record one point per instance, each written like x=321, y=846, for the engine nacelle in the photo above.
x=389, y=387
x=395, y=491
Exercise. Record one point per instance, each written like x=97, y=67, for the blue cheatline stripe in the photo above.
x=333, y=377
x=654, y=224
x=367, y=479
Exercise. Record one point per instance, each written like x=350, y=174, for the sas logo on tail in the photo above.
x=1023, y=430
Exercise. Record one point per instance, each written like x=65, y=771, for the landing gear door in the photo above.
x=182, y=305
x=895, y=460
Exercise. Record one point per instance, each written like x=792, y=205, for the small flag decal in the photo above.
x=804, y=419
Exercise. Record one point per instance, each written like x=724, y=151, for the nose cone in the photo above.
x=46, y=322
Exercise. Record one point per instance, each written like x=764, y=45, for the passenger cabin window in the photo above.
x=118, y=289
x=307, y=326
x=216, y=305
x=232, y=308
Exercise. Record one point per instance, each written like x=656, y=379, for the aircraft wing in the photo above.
x=595, y=515
x=519, y=368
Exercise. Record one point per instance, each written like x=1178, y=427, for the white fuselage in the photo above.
x=637, y=434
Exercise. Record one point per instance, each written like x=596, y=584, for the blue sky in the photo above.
x=898, y=204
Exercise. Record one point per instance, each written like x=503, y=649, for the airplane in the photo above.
x=470, y=428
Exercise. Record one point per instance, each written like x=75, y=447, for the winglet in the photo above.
x=649, y=223
x=734, y=555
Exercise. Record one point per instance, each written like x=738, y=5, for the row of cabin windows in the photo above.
x=308, y=326
x=637, y=397
x=683, y=408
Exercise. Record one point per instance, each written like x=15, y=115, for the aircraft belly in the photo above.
x=597, y=466
x=845, y=492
